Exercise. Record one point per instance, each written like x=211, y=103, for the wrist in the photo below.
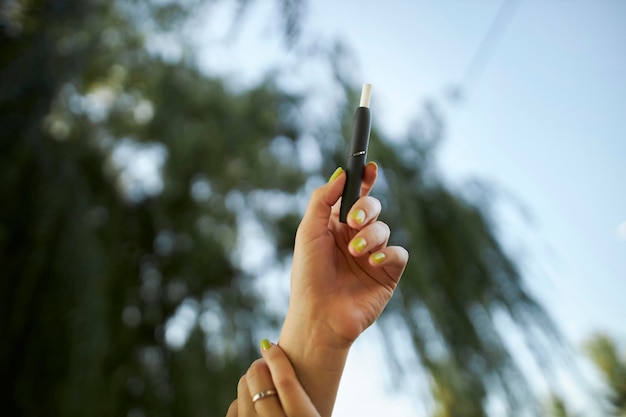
x=318, y=359
x=315, y=331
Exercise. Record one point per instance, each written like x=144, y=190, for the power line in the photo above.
x=487, y=46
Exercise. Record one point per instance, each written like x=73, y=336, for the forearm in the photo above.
x=318, y=363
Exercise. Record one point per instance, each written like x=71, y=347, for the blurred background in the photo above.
x=156, y=157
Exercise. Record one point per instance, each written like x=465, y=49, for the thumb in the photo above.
x=319, y=209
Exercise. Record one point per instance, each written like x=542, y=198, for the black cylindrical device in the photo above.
x=358, y=153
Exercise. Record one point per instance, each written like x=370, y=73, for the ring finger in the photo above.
x=262, y=391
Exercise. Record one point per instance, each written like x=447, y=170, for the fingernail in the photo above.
x=336, y=174
x=265, y=344
x=358, y=216
x=358, y=244
x=374, y=163
x=378, y=258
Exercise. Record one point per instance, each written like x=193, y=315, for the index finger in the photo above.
x=293, y=398
x=369, y=178
x=370, y=174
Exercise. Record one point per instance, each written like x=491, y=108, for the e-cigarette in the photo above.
x=358, y=152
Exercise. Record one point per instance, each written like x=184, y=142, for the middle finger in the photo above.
x=373, y=237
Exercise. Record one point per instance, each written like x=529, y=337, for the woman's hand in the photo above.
x=270, y=388
x=342, y=277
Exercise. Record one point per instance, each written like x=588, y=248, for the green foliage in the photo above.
x=612, y=367
x=98, y=264
x=95, y=262
x=557, y=407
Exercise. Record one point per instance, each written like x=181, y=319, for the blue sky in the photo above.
x=543, y=119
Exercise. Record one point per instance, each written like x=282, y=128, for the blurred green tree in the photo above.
x=604, y=354
x=129, y=183
x=558, y=407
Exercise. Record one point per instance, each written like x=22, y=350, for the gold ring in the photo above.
x=264, y=394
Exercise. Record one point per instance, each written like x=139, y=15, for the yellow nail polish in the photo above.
x=359, y=244
x=336, y=174
x=265, y=344
x=358, y=216
x=378, y=258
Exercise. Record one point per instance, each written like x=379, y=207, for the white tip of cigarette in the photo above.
x=366, y=94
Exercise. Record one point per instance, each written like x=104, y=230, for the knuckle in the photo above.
x=256, y=367
x=232, y=409
x=374, y=202
x=317, y=194
x=242, y=385
x=285, y=383
x=382, y=229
